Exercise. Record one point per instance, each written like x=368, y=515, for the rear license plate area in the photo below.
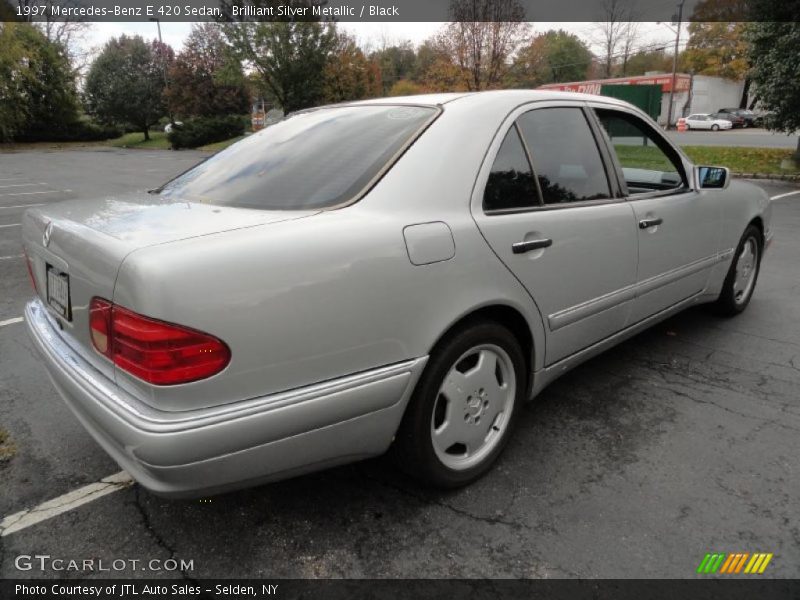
x=58, y=294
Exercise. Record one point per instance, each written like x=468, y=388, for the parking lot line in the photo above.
x=24, y=205
x=11, y=225
x=14, y=185
x=13, y=256
x=65, y=503
x=32, y=193
x=779, y=196
x=11, y=321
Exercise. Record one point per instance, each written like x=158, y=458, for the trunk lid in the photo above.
x=87, y=241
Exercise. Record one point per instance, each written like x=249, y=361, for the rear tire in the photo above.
x=464, y=407
x=740, y=283
x=715, y=127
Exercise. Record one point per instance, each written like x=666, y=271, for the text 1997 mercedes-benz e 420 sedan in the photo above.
x=398, y=274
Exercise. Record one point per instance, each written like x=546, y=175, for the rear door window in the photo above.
x=565, y=155
x=511, y=184
x=315, y=159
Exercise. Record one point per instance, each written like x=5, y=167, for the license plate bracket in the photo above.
x=58, y=292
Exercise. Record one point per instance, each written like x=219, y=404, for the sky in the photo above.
x=371, y=35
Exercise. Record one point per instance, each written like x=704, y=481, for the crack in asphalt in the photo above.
x=158, y=538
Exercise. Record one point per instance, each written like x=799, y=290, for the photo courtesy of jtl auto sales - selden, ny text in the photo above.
x=400, y=299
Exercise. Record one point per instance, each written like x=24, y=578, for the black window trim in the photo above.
x=668, y=149
x=615, y=190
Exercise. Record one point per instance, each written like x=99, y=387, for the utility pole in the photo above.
x=163, y=63
x=675, y=66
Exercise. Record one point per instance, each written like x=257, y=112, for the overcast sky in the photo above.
x=372, y=35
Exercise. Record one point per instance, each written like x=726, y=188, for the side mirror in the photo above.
x=713, y=178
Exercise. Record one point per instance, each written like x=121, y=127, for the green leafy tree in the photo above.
x=126, y=82
x=643, y=61
x=552, y=57
x=37, y=85
x=206, y=80
x=290, y=58
x=775, y=68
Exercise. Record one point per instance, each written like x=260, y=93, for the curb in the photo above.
x=779, y=177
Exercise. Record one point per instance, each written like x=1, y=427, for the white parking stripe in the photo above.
x=11, y=225
x=11, y=321
x=24, y=205
x=13, y=256
x=20, y=185
x=32, y=193
x=779, y=196
x=65, y=503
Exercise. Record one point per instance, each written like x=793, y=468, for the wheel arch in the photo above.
x=510, y=317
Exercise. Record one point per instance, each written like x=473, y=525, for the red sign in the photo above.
x=682, y=83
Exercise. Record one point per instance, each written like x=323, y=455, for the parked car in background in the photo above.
x=706, y=121
x=751, y=118
x=169, y=126
x=735, y=120
x=390, y=273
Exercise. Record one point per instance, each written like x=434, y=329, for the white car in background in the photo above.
x=706, y=121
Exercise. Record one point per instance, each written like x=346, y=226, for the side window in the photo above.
x=510, y=183
x=565, y=155
x=648, y=163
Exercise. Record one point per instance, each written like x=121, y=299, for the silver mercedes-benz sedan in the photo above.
x=399, y=274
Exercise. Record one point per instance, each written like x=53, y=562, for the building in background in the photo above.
x=693, y=93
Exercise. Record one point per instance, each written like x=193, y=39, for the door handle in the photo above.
x=527, y=246
x=647, y=223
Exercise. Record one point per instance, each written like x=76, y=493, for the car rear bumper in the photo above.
x=211, y=450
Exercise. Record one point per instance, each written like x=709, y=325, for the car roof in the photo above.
x=500, y=98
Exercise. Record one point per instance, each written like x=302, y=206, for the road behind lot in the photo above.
x=681, y=441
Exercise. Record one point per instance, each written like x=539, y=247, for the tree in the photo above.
x=775, y=69
x=552, y=57
x=125, y=83
x=68, y=33
x=616, y=30
x=205, y=79
x=348, y=74
x=37, y=84
x=718, y=49
x=481, y=39
x=649, y=60
x=289, y=57
x=395, y=62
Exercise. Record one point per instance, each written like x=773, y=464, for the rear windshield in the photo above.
x=314, y=159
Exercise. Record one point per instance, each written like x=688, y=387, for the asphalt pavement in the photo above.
x=681, y=441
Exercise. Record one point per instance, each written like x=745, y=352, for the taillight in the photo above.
x=29, y=264
x=157, y=352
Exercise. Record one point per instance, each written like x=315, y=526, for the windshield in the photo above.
x=315, y=159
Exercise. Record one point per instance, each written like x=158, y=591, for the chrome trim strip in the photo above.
x=576, y=313
x=146, y=418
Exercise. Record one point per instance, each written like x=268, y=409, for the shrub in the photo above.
x=78, y=131
x=205, y=130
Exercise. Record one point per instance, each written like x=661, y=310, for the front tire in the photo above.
x=742, y=275
x=463, y=409
x=715, y=127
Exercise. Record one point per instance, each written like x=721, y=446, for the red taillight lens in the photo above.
x=157, y=352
